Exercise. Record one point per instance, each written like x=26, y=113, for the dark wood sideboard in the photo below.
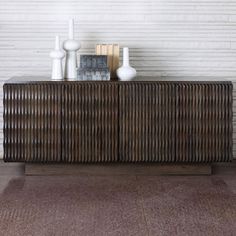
x=163, y=120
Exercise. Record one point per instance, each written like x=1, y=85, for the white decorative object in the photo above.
x=71, y=46
x=126, y=72
x=57, y=55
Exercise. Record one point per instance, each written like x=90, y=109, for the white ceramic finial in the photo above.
x=126, y=72
x=126, y=56
x=57, y=43
x=57, y=55
x=71, y=46
x=71, y=29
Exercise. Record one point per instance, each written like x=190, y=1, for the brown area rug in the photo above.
x=114, y=205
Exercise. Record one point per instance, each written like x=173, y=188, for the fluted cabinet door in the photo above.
x=87, y=122
x=175, y=122
x=90, y=122
x=32, y=122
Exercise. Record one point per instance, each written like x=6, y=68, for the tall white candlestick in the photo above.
x=71, y=46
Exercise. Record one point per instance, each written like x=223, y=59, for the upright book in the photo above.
x=113, y=53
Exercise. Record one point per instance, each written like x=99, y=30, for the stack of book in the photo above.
x=93, y=67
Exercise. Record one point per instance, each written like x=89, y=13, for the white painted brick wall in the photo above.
x=166, y=37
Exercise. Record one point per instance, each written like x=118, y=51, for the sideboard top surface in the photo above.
x=41, y=79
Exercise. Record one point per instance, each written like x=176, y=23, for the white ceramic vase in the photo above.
x=57, y=56
x=71, y=46
x=126, y=72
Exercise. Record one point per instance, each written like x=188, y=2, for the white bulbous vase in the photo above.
x=126, y=72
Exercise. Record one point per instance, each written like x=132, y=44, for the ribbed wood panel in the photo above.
x=86, y=122
x=32, y=122
x=90, y=122
x=175, y=122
